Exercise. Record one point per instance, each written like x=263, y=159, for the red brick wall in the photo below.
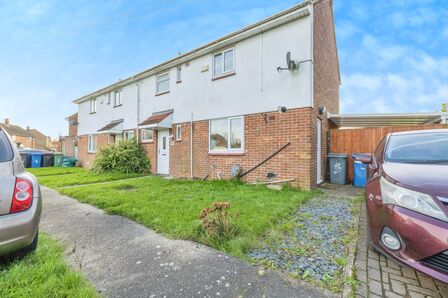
x=326, y=75
x=68, y=146
x=27, y=142
x=73, y=129
x=261, y=140
x=84, y=157
x=151, y=151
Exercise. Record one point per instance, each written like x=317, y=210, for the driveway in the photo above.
x=125, y=259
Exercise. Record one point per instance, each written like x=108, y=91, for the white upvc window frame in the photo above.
x=93, y=106
x=229, y=150
x=128, y=135
x=118, y=98
x=223, y=72
x=178, y=132
x=158, y=81
x=179, y=74
x=91, y=143
x=143, y=140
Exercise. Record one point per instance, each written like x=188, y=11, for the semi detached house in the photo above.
x=231, y=104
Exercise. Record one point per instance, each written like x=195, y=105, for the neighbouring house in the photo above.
x=232, y=105
x=22, y=137
x=69, y=143
x=41, y=141
x=27, y=137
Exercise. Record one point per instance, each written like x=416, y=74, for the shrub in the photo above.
x=217, y=223
x=125, y=157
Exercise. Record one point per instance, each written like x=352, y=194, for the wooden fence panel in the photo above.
x=365, y=140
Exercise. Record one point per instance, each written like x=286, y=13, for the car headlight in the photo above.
x=416, y=201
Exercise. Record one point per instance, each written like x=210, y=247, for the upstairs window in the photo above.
x=223, y=63
x=179, y=74
x=227, y=135
x=93, y=106
x=117, y=98
x=163, y=83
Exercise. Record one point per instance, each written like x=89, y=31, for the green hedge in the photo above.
x=125, y=157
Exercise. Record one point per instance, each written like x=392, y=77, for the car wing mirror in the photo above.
x=364, y=158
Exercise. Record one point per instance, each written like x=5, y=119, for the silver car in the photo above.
x=20, y=202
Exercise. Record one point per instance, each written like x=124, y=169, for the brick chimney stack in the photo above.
x=7, y=121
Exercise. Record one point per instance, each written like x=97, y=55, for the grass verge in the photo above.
x=57, y=178
x=41, y=172
x=172, y=207
x=43, y=273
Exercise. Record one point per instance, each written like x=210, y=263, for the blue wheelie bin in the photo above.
x=359, y=172
x=36, y=159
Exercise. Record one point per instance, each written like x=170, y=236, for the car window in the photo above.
x=418, y=148
x=5, y=148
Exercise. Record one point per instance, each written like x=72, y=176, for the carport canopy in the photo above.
x=386, y=119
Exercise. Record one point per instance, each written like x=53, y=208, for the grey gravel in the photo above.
x=315, y=242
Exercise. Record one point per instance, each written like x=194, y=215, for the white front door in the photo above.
x=319, y=151
x=163, y=152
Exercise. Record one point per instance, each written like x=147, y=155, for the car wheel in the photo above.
x=26, y=250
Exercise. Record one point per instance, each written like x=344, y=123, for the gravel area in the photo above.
x=312, y=244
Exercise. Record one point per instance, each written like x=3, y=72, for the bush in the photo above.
x=125, y=157
x=217, y=223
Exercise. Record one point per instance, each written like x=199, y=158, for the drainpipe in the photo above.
x=138, y=107
x=191, y=146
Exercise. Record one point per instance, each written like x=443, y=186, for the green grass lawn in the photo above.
x=56, y=177
x=43, y=274
x=172, y=207
x=41, y=172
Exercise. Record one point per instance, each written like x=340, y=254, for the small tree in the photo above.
x=444, y=108
x=125, y=157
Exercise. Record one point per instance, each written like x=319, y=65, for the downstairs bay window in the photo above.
x=226, y=135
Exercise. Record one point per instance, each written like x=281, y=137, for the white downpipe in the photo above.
x=138, y=109
x=191, y=146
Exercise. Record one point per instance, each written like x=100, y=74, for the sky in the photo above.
x=393, y=55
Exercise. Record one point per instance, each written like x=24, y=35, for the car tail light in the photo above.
x=23, y=196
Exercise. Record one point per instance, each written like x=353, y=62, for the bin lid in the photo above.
x=337, y=155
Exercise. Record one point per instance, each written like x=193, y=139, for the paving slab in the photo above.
x=125, y=259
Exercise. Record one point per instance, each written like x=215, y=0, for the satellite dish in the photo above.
x=289, y=62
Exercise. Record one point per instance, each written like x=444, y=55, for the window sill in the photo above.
x=117, y=106
x=91, y=152
x=91, y=113
x=162, y=93
x=147, y=142
x=238, y=153
x=178, y=82
x=226, y=75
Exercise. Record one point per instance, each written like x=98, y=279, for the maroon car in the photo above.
x=407, y=200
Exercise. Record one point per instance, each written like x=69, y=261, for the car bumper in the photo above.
x=18, y=230
x=422, y=237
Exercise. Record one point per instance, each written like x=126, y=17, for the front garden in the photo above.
x=43, y=273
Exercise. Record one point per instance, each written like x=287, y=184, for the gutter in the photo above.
x=267, y=24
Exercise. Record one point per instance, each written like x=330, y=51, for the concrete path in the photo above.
x=125, y=259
